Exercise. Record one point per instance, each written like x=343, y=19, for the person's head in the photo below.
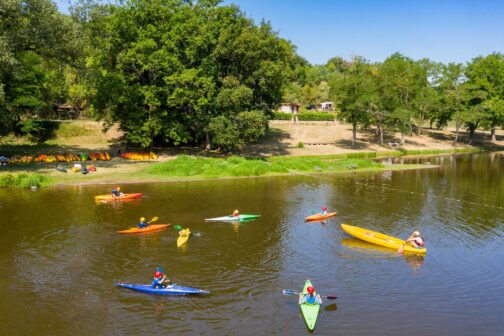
x=310, y=290
x=324, y=208
x=158, y=275
x=118, y=188
x=416, y=234
x=142, y=219
x=236, y=212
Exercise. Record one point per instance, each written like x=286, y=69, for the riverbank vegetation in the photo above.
x=22, y=180
x=179, y=73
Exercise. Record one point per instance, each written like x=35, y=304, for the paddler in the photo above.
x=160, y=280
x=142, y=224
x=416, y=240
x=324, y=211
x=116, y=192
x=309, y=298
x=236, y=213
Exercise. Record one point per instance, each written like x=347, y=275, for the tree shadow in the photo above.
x=347, y=144
x=273, y=143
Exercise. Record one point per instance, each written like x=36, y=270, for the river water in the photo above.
x=60, y=256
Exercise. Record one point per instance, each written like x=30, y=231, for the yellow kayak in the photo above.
x=183, y=236
x=380, y=239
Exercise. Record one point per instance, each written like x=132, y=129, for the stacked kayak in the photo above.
x=183, y=236
x=168, y=290
x=310, y=311
x=150, y=228
x=318, y=217
x=239, y=218
x=109, y=197
x=381, y=239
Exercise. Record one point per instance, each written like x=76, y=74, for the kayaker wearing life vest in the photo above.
x=142, y=224
x=236, y=213
x=116, y=192
x=416, y=240
x=160, y=280
x=324, y=211
x=310, y=298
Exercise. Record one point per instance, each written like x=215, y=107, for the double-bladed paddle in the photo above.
x=291, y=292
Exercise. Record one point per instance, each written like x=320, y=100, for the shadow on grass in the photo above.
x=272, y=144
x=347, y=144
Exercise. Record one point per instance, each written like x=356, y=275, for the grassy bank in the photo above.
x=185, y=166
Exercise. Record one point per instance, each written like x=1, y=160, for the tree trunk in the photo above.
x=403, y=138
x=493, y=138
x=354, y=134
x=457, y=127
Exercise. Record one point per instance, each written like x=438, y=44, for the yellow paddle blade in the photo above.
x=154, y=219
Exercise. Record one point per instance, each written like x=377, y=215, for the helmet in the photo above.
x=416, y=233
x=324, y=208
x=310, y=289
x=142, y=219
x=158, y=274
x=236, y=211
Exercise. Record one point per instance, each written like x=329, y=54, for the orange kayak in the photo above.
x=150, y=228
x=112, y=198
x=318, y=216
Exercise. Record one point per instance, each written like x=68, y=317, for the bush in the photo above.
x=281, y=116
x=225, y=134
x=300, y=144
x=37, y=130
x=251, y=125
x=315, y=116
x=21, y=180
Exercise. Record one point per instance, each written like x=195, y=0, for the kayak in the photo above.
x=318, y=216
x=239, y=218
x=183, y=236
x=150, y=228
x=358, y=244
x=112, y=198
x=380, y=239
x=310, y=311
x=168, y=290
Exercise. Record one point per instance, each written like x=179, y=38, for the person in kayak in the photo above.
x=142, y=224
x=160, y=280
x=324, y=211
x=116, y=192
x=416, y=240
x=236, y=213
x=309, y=298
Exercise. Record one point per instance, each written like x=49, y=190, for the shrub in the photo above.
x=300, y=144
x=21, y=180
x=315, y=116
x=37, y=130
x=281, y=116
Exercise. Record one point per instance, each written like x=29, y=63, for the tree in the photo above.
x=352, y=91
x=400, y=80
x=485, y=77
x=167, y=69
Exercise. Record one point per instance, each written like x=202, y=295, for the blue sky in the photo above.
x=442, y=30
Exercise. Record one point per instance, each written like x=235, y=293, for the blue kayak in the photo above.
x=168, y=290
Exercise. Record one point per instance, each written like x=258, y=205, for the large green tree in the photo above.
x=485, y=78
x=167, y=68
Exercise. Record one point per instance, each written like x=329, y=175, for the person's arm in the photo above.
x=301, y=298
x=318, y=299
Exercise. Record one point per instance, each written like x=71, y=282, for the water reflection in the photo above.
x=413, y=260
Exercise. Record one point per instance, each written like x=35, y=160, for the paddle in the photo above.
x=179, y=228
x=153, y=220
x=291, y=292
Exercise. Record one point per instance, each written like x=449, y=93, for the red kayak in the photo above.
x=318, y=217
x=123, y=197
x=150, y=228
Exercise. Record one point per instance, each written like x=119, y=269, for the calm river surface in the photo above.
x=60, y=256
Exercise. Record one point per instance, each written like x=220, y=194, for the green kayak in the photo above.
x=239, y=218
x=310, y=311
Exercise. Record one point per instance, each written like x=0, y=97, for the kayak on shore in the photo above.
x=168, y=290
x=318, y=217
x=123, y=197
x=183, y=237
x=310, y=311
x=150, y=228
x=239, y=218
x=381, y=239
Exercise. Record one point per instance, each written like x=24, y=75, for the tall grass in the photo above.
x=22, y=180
x=70, y=130
x=186, y=166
